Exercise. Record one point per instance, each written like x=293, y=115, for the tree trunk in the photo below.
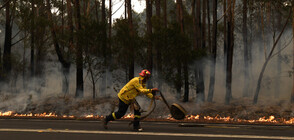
x=164, y=14
x=260, y=35
x=1, y=63
x=131, y=57
x=203, y=24
x=97, y=6
x=203, y=47
x=65, y=64
x=7, y=43
x=199, y=45
x=149, y=34
x=225, y=33
x=126, y=9
x=213, y=53
x=185, y=63
x=178, y=79
x=246, y=57
x=149, y=38
x=250, y=41
x=90, y=70
x=103, y=13
x=186, y=78
x=32, y=65
x=195, y=36
x=266, y=62
x=230, y=50
x=39, y=41
x=159, y=45
x=195, y=25
x=109, y=50
x=292, y=95
x=23, y=66
x=70, y=46
x=93, y=84
x=110, y=27
x=104, y=51
x=70, y=22
x=208, y=26
x=180, y=17
x=198, y=24
x=279, y=62
x=79, y=55
x=62, y=18
x=157, y=8
x=263, y=32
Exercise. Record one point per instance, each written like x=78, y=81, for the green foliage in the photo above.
x=123, y=41
x=90, y=37
x=177, y=50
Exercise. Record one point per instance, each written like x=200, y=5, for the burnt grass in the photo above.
x=80, y=108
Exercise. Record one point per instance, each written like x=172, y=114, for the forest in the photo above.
x=203, y=52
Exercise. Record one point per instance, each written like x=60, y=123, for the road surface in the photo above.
x=33, y=129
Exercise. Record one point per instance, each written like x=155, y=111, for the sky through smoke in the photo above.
x=118, y=7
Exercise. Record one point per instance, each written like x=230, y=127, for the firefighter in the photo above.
x=127, y=96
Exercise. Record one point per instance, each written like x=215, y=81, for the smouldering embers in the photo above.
x=13, y=114
x=270, y=119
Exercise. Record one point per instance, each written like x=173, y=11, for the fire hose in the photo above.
x=150, y=110
x=176, y=110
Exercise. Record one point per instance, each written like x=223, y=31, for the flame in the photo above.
x=90, y=116
x=264, y=119
x=218, y=118
x=270, y=119
x=192, y=117
x=291, y=121
x=65, y=116
x=8, y=113
x=128, y=116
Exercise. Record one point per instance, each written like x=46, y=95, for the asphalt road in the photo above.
x=32, y=129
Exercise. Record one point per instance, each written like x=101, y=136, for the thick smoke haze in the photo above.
x=44, y=94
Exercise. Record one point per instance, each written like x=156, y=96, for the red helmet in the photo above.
x=145, y=73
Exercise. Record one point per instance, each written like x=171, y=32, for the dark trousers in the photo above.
x=122, y=109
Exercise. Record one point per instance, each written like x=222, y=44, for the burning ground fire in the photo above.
x=270, y=119
x=13, y=114
x=189, y=118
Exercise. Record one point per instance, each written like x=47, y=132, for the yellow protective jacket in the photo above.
x=132, y=89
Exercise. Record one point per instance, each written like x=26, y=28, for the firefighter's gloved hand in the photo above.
x=154, y=90
x=157, y=97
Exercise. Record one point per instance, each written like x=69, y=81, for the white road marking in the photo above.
x=148, y=133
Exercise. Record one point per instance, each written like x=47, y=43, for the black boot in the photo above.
x=137, y=126
x=138, y=129
x=106, y=120
x=104, y=123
